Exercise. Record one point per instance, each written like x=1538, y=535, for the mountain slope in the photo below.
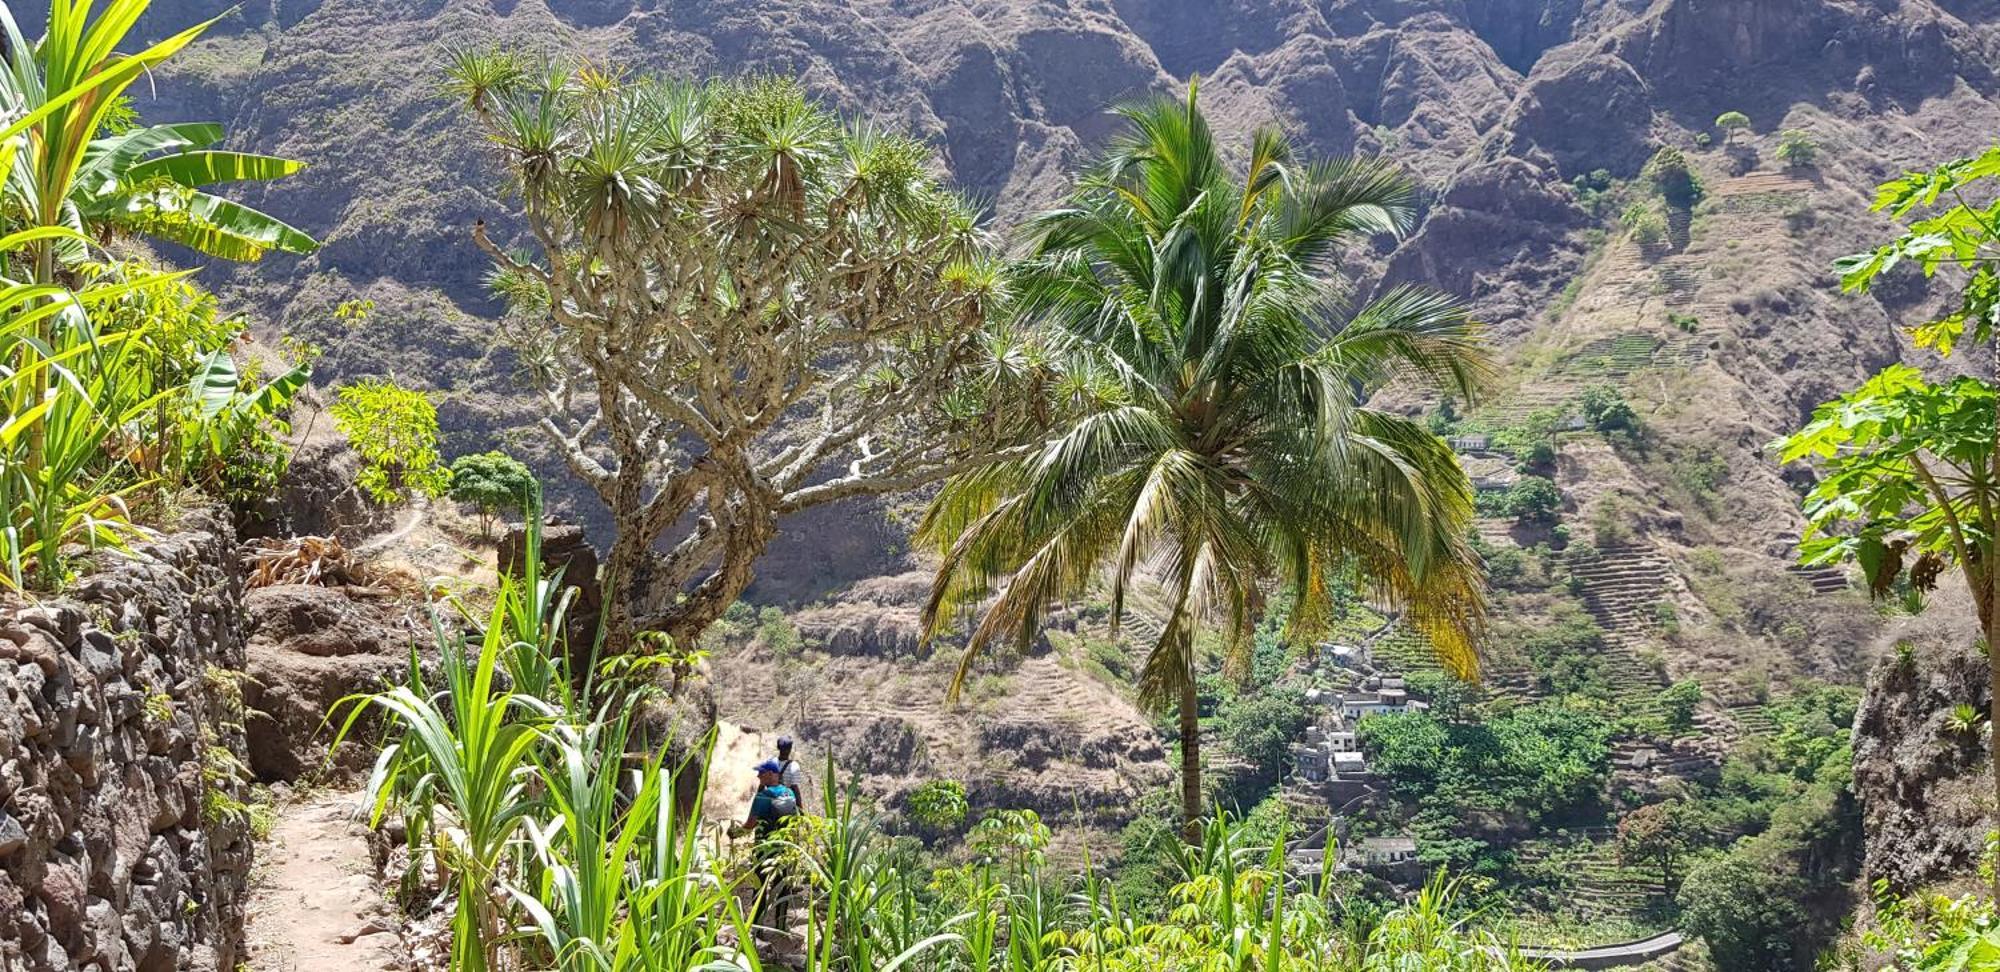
x=1496, y=106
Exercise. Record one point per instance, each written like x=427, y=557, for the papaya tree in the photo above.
x=737, y=306
x=1909, y=482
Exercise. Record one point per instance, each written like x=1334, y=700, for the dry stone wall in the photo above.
x=124, y=828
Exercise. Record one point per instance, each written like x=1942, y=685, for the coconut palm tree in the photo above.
x=1218, y=440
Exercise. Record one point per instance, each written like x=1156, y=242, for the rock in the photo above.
x=98, y=770
x=309, y=647
x=12, y=836
x=1925, y=791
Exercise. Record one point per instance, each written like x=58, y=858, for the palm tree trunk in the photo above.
x=1190, y=760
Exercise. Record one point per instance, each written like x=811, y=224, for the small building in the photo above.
x=1387, y=702
x=1383, y=852
x=1350, y=765
x=1312, y=764
x=1341, y=741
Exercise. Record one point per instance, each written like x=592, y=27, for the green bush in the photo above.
x=1676, y=180
x=776, y=632
x=1678, y=702
x=1644, y=222
x=938, y=806
x=1533, y=499
x=1604, y=407
x=1797, y=149
x=395, y=431
x=1537, y=762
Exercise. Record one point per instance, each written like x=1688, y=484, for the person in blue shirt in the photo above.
x=773, y=806
x=774, y=802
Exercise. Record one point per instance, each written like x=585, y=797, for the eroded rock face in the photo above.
x=122, y=845
x=309, y=647
x=1926, y=791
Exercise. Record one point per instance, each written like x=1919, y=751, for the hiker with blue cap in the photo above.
x=771, y=808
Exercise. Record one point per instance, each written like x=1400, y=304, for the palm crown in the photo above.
x=1225, y=439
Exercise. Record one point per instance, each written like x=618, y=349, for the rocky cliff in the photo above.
x=1924, y=780
x=124, y=815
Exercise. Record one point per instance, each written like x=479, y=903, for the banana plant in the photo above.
x=73, y=172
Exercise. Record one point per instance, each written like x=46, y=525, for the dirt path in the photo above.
x=314, y=904
x=412, y=519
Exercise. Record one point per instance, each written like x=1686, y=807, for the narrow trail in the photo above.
x=414, y=518
x=313, y=903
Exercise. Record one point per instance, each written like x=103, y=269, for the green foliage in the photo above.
x=395, y=431
x=776, y=632
x=1937, y=932
x=1596, y=192
x=1798, y=149
x=1645, y=222
x=1746, y=912
x=1674, y=178
x=1903, y=463
x=1964, y=719
x=1260, y=727
x=1659, y=834
x=493, y=482
x=1606, y=409
x=1532, y=440
x=1685, y=323
x=1531, y=764
x=1678, y=703
x=938, y=806
x=560, y=852
x=116, y=381
x=1532, y=499
x=1732, y=123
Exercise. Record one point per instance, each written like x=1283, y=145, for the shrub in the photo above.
x=395, y=430
x=938, y=806
x=1645, y=223
x=1534, y=499
x=1261, y=726
x=1676, y=180
x=1797, y=149
x=493, y=482
x=1678, y=702
x=776, y=632
x=1686, y=323
x=1606, y=409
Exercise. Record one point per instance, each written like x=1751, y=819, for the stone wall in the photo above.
x=124, y=832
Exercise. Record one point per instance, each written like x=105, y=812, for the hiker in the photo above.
x=791, y=773
x=771, y=809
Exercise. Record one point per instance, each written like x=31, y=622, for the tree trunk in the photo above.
x=1191, y=760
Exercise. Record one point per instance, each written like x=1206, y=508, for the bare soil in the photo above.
x=316, y=903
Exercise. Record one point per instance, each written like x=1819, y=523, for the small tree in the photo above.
x=1659, y=834
x=1533, y=499
x=491, y=482
x=395, y=430
x=1645, y=223
x=1797, y=149
x=1909, y=487
x=1732, y=123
